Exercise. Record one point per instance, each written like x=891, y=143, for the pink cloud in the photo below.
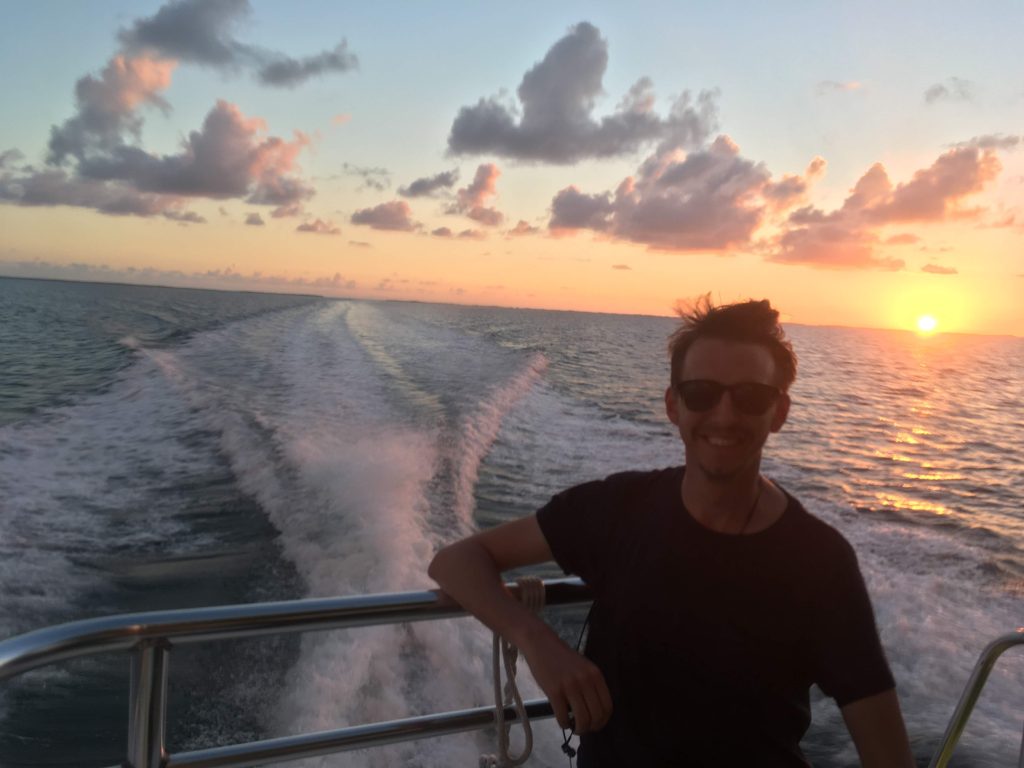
x=522, y=228
x=106, y=105
x=394, y=216
x=471, y=200
x=935, y=269
x=341, y=119
x=319, y=227
x=848, y=237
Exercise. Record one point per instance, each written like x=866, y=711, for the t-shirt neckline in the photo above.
x=695, y=524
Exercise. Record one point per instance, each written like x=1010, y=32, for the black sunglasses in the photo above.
x=749, y=397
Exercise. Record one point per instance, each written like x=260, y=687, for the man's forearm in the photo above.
x=468, y=574
x=471, y=574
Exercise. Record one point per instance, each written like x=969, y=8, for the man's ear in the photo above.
x=781, y=412
x=672, y=405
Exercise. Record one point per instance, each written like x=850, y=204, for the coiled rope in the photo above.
x=531, y=594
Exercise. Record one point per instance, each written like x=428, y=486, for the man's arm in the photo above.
x=470, y=572
x=876, y=727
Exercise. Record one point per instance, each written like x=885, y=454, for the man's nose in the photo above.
x=725, y=408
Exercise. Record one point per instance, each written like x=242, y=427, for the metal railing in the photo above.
x=969, y=698
x=151, y=636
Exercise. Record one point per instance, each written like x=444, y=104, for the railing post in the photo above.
x=147, y=705
x=969, y=697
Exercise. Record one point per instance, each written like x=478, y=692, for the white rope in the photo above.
x=531, y=594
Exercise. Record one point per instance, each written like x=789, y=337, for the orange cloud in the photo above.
x=848, y=237
x=472, y=200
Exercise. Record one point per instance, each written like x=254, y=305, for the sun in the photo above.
x=927, y=324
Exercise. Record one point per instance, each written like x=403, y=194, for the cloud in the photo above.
x=993, y=141
x=287, y=210
x=319, y=227
x=394, y=216
x=848, y=237
x=442, y=232
x=934, y=193
x=56, y=187
x=341, y=118
x=834, y=245
x=791, y=189
x=522, y=228
x=228, y=157
x=471, y=200
x=184, y=217
x=254, y=220
x=201, y=32
x=373, y=178
x=9, y=158
x=227, y=278
x=904, y=239
x=834, y=86
x=935, y=269
x=337, y=281
x=951, y=89
x=289, y=72
x=472, y=234
x=360, y=244
x=554, y=120
x=1009, y=220
x=572, y=209
x=621, y=266
x=428, y=185
x=708, y=200
x=107, y=106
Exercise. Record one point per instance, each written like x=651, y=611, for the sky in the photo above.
x=859, y=164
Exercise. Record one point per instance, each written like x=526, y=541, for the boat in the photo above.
x=150, y=637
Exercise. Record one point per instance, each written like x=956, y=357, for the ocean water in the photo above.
x=169, y=448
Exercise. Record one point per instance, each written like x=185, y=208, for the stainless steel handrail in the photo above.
x=969, y=697
x=150, y=637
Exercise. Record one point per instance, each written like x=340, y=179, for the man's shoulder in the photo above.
x=616, y=492
x=826, y=541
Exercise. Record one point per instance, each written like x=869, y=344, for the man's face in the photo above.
x=723, y=443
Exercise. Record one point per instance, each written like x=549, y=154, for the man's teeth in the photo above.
x=722, y=441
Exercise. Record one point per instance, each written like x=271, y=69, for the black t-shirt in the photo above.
x=709, y=642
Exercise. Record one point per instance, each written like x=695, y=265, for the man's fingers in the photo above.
x=580, y=711
x=560, y=707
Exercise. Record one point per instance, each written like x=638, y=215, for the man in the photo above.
x=719, y=600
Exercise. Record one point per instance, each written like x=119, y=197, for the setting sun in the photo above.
x=927, y=324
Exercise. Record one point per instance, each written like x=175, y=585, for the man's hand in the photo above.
x=572, y=682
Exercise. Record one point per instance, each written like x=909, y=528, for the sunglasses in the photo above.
x=749, y=397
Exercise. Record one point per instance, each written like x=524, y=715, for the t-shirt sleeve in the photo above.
x=579, y=525
x=849, y=661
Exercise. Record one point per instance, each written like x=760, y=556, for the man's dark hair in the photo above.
x=750, y=322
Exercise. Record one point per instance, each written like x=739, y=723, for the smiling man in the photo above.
x=719, y=600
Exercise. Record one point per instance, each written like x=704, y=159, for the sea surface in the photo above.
x=165, y=448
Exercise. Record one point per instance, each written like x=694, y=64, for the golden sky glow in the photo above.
x=878, y=185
